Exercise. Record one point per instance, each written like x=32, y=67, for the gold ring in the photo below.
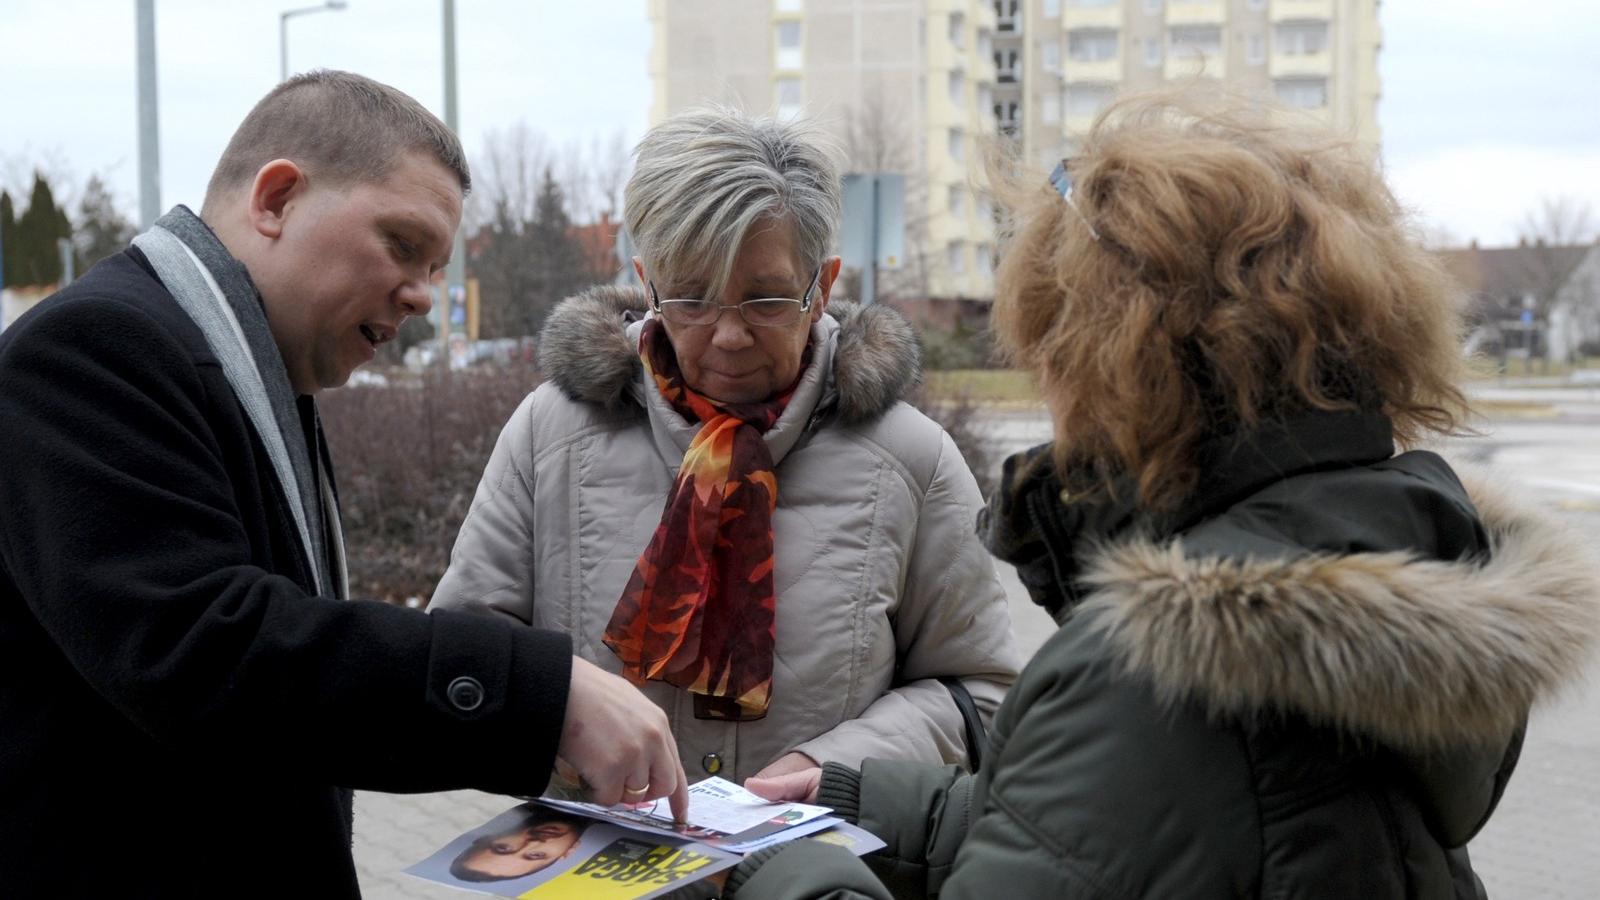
x=636, y=792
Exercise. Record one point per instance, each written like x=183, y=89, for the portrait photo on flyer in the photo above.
x=534, y=851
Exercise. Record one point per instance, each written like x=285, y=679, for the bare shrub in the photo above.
x=408, y=456
x=960, y=416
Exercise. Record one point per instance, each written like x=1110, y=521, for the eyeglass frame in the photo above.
x=656, y=304
x=1061, y=180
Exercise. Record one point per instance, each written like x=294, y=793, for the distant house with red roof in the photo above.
x=1530, y=299
x=598, y=244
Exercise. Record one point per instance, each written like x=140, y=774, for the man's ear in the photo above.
x=277, y=185
x=825, y=280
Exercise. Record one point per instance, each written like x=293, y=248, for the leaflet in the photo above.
x=552, y=849
x=717, y=807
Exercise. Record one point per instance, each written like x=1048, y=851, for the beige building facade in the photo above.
x=903, y=86
x=1075, y=56
x=922, y=87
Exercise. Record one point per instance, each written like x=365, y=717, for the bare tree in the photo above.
x=507, y=175
x=878, y=138
x=613, y=163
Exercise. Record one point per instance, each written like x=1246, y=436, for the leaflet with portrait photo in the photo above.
x=549, y=848
x=535, y=851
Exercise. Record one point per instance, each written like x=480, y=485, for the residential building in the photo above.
x=918, y=86
x=1073, y=57
x=905, y=86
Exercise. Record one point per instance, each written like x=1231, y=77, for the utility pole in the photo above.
x=149, y=127
x=455, y=280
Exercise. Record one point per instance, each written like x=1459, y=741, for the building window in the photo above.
x=1255, y=52
x=957, y=199
x=985, y=97
x=1005, y=65
x=788, y=38
x=957, y=89
x=985, y=44
x=1006, y=15
x=1152, y=51
x=1300, y=38
x=1050, y=55
x=1092, y=3
x=1006, y=115
x=958, y=29
x=1304, y=93
x=1092, y=44
x=789, y=6
x=1088, y=99
x=985, y=209
x=1052, y=9
x=955, y=258
x=955, y=145
x=1257, y=4
x=985, y=255
x=1050, y=109
x=1196, y=40
x=788, y=95
x=1152, y=6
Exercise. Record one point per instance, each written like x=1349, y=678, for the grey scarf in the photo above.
x=215, y=290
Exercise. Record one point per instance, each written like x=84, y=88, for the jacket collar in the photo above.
x=1034, y=525
x=586, y=350
x=1419, y=654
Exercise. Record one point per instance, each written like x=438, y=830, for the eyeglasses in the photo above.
x=1061, y=180
x=763, y=312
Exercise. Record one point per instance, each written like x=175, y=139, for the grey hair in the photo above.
x=340, y=127
x=703, y=178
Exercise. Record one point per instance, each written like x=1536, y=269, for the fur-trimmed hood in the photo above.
x=1418, y=654
x=585, y=349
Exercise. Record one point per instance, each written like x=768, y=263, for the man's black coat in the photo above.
x=179, y=715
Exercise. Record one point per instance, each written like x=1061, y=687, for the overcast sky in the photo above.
x=1487, y=106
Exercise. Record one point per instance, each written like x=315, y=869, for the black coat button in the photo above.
x=712, y=763
x=465, y=693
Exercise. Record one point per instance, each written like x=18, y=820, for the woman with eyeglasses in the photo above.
x=721, y=494
x=1295, y=653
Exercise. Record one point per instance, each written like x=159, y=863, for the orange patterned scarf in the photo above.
x=698, y=611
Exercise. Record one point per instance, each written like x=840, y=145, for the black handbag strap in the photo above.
x=977, y=735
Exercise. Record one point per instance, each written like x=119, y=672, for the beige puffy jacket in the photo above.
x=882, y=584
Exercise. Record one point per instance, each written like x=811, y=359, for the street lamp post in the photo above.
x=283, y=31
x=149, y=124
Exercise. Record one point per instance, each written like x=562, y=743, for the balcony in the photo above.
x=1096, y=70
x=1074, y=16
x=1077, y=125
x=1301, y=65
x=1289, y=10
x=1196, y=12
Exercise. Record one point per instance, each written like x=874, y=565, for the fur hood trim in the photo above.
x=1419, y=654
x=584, y=348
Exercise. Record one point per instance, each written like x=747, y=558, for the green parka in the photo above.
x=1311, y=681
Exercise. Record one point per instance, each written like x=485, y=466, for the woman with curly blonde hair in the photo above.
x=1291, y=661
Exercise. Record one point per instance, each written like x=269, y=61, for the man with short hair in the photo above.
x=176, y=646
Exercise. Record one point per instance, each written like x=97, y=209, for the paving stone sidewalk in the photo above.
x=1543, y=843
